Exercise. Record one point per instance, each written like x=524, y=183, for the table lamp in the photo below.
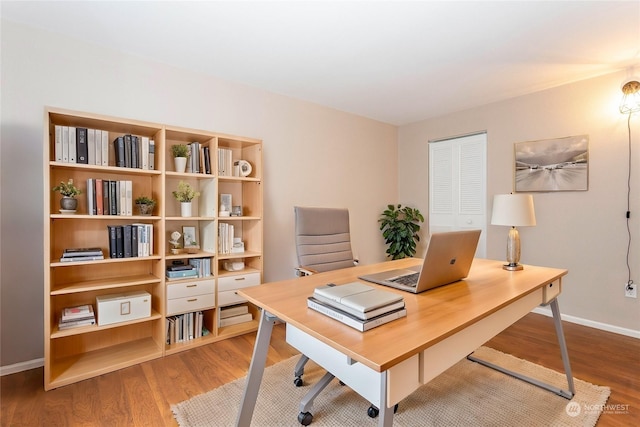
x=514, y=210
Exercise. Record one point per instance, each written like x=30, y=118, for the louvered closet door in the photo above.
x=457, y=185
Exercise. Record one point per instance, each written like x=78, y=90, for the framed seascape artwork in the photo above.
x=560, y=164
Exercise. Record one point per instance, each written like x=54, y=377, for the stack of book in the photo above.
x=234, y=315
x=355, y=304
x=73, y=317
x=81, y=254
x=177, y=272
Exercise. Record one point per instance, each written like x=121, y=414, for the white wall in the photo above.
x=313, y=155
x=584, y=232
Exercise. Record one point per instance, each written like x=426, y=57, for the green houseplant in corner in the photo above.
x=400, y=226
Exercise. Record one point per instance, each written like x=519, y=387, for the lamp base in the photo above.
x=513, y=267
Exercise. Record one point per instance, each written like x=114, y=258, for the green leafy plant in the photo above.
x=144, y=200
x=67, y=189
x=400, y=226
x=180, y=150
x=185, y=193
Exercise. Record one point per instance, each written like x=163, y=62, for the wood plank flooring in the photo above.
x=141, y=395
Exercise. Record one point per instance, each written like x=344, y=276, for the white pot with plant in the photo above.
x=185, y=195
x=180, y=153
x=68, y=203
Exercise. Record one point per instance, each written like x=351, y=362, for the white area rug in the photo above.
x=467, y=394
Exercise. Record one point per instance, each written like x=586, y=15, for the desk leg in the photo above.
x=258, y=360
x=557, y=320
x=565, y=360
x=385, y=416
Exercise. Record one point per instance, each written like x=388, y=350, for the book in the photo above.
x=180, y=274
x=152, y=153
x=71, y=252
x=65, y=144
x=118, y=145
x=82, y=149
x=359, y=314
x=357, y=296
x=58, y=143
x=77, y=313
x=91, y=186
x=104, y=146
x=234, y=320
x=236, y=310
x=72, y=144
x=75, y=323
x=352, y=321
x=113, y=252
x=91, y=146
x=81, y=258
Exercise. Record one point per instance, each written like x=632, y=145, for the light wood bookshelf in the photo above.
x=76, y=354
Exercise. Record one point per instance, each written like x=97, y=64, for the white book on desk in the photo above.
x=352, y=321
x=357, y=296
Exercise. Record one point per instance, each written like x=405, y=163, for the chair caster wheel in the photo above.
x=298, y=382
x=373, y=411
x=305, y=418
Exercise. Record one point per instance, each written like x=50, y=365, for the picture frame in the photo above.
x=189, y=237
x=559, y=164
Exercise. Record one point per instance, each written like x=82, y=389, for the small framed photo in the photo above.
x=189, y=236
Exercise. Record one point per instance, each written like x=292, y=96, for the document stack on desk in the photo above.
x=355, y=304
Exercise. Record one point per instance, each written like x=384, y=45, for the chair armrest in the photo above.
x=305, y=271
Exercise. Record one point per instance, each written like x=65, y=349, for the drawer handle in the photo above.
x=240, y=278
x=192, y=286
x=192, y=300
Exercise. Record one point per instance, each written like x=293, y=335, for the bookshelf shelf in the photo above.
x=83, y=352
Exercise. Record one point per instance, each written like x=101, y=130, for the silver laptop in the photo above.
x=448, y=259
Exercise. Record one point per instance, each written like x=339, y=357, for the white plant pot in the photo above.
x=185, y=209
x=180, y=164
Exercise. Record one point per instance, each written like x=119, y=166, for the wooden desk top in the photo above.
x=431, y=316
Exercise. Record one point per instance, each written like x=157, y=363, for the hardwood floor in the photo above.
x=141, y=395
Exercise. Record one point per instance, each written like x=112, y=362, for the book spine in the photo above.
x=58, y=143
x=126, y=240
x=91, y=147
x=119, y=242
x=335, y=315
x=72, y=145
x=119, y=151
x=82, y=150
x=113, y=253
x=105, y=197
x=105, y=147
x=134, y=241
x=152, y=154
x=113, y=198
x=65, y=144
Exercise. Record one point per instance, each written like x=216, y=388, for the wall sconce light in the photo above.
x=631, y=97
x=514, y=210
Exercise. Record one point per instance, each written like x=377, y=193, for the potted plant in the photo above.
x=180, y=153
x=400, y=226
x=68, y=203
x=185, y=194
x=145, y=205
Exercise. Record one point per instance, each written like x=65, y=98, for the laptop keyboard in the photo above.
x=408, y=280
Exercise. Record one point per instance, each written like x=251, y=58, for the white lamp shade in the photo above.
x=514, y=210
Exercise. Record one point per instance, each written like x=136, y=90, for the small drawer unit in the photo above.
x=550, y=291
x=116, y=308
x=190, y=296
x=227, y=287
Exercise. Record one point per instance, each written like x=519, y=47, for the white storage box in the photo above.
x=116, y=308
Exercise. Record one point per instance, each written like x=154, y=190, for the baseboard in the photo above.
x=590, y=323
x=22, y=366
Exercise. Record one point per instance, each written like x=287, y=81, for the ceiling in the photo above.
x=393, y=61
